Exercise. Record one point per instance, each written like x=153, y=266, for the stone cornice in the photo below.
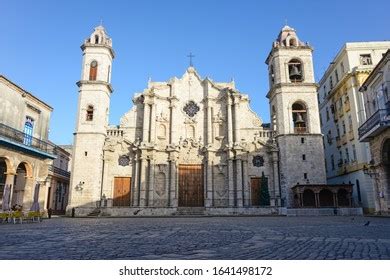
x=287, y=85
x=89, y=45
x=87, y=82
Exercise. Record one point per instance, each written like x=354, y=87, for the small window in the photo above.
x=327, y=114
x=337, y=76
x=86, y=153
x=305, y=176
x=331, y=82
x=93, y=70
x=344, y=129
x=302, y=140
x=342, y=68
x=303, y=157
x=96, y=39
x=89, y=116
x=365, y=59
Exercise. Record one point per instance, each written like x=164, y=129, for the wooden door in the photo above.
x=191, y=186
x=255, y=191
x=122, y=190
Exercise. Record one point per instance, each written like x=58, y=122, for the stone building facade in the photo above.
x=59, y=177
x=25, y=153
x=193, y=143
x=342, y=112
x=376, y=131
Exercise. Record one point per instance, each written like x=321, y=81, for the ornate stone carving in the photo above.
x=124, y=160
x=191, y=108
x=258, y=161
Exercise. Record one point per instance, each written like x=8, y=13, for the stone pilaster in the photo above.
x=275, y=195
x=209, y=182
x=135, y=185
x=231, y=184
x=246, y=183
x=144, y=181
x=236, y=108
x=209, y=123
x=229, y=121
x=240, y=189
x=153, y=123
x=173, y=185
x=151, y=182
x=145, y=126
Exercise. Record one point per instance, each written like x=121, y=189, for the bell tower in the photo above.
x=294, y=113
x=92, y=119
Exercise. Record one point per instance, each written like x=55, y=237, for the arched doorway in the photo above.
x=342, y=198
x=326, y=198
x=19, y=185
x=309, y=199
x=3, y=177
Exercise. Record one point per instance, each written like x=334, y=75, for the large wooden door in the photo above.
x=191, y=185
x=122, y=190
x=255, y=191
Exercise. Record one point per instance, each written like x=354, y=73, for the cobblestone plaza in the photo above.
x=198, y=238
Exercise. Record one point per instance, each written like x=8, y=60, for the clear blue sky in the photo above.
x=40, y=40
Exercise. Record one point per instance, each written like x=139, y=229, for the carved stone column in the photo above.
x=246, y=183
x=151, y=182
x=153, y=123
x=173, y=184
x=231, y=183
x=240, y=189
x=144, y=181
x=275, y=194
x=136, y=186
x=145, y=128
x=173, y=121
x=236, y=108
x=9, y=180
x=209, y=182
x=209, y=123
x=229, y=120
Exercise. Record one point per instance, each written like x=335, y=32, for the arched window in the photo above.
x=293, y=42
x=28, y=131
x=93, y=70
x=299, y=114
x=96, y=39
x=295, y=71
x=89, y=116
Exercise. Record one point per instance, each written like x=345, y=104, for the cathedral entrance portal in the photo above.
x=191, y=185
x=122, y=186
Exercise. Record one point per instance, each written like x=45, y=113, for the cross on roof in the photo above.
x=191, y=56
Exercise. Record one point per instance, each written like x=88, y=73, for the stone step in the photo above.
x=94, y=213
x=190, y=211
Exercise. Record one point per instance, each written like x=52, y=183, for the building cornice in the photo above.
x=87, y=82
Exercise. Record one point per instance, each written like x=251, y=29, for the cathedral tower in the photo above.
x=92, y=119
x=295, y=114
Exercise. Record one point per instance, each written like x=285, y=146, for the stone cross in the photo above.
x=191, y=56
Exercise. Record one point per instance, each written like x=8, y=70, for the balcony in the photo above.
x=378, y=122
x=58, y=171
x=18, y=140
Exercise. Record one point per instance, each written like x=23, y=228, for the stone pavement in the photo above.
x=198, y=238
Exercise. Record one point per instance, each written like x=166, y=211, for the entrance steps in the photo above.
x=190, y=211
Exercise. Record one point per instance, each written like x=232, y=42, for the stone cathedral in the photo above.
x=193, y=145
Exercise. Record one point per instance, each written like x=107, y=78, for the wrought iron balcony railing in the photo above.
x=59, y=171
x=23, y=139
x=375, y=124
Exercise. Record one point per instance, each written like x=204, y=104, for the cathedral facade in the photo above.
x=193, y=145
